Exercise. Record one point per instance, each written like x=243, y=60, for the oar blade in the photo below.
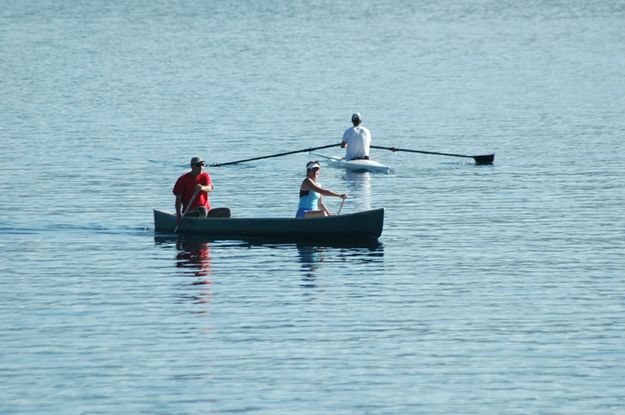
x=484, y=159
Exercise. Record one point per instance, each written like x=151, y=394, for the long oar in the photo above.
x=274, y=155
x=484, y=159
x=328, y=157
x=197, y=192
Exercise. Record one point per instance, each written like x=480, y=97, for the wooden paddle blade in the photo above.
x=485, y=159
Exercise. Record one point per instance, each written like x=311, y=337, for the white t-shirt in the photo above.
x=358, y=140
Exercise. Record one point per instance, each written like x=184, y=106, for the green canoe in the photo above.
x=365, y=225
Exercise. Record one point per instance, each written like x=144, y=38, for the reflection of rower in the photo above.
x=193, y=257
x=195, y=254
x=310, y=257
x=359, y=186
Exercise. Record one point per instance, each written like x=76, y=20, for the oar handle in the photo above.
x=305, y=150
x=197, y=192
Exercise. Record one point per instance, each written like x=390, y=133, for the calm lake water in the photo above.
x=493, y=289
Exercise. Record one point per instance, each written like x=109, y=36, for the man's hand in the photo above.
x=207, y=188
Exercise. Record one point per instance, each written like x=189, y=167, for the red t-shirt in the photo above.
x=185, y=187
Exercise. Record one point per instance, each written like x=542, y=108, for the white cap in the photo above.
x=312, y=165
x=356, y=116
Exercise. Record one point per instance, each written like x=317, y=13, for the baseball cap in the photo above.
x=356, y=116
x=197, y=160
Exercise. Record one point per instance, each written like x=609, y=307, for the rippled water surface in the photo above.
x=493, y=289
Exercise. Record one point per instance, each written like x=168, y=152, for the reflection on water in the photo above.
x=311, y=257
x=196, y=255
x=359, y=188
x=193, y=254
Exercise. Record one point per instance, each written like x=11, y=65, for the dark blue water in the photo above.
x=493, y=289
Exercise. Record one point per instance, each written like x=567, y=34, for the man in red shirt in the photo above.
x=192, y=188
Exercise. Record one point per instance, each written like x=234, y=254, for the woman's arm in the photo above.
x=312, y=185
x=323, y=207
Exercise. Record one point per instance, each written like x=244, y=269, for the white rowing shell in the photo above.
x=357, y=165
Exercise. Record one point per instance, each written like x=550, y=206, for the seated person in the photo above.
x=310, y=194
x=357, y=139
x=191, y=190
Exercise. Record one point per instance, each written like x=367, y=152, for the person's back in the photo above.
x=357, y=139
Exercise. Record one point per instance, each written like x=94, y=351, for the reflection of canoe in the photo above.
x=354, y=226
x=357, y=165
x=373, y=247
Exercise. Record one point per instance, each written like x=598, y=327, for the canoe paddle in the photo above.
x=483, y=159
x=197, y=192
x=341, y=207
x=306, y=150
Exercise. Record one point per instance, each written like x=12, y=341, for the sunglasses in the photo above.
x=199, y=164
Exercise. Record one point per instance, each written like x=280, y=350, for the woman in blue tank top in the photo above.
x=310, y=194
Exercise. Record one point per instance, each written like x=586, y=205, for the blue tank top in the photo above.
x=308, y=199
